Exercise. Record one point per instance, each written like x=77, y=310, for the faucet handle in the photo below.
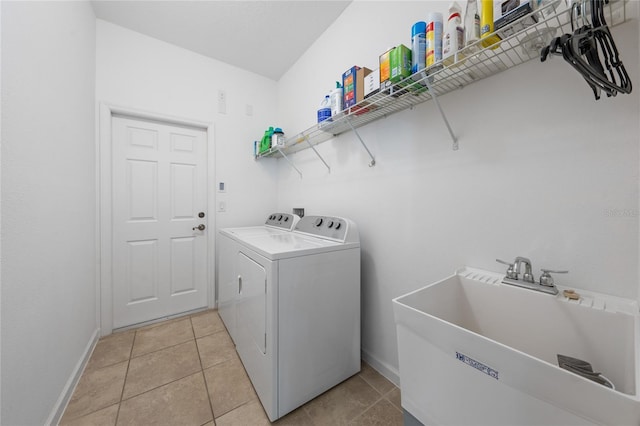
x=546, y=279
x=510, y=272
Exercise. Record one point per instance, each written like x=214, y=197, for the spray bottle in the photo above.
x=418, y=46
x=453, y=38
x=486, y=25
x=434, y=38
x=472, y=26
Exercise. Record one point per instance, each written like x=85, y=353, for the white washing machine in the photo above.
x=296, y=310
x=227, y=279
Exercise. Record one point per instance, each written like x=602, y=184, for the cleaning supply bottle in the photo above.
x=277, y=138
x=434, y=38
x=472, y=26
x=486, y=25
x=324, y=113
x=418, y=46
x=453, y=37
x=264, y=144
x=336, y=100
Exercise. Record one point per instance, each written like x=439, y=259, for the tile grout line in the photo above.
x=170, y=382
x=161, y=349
x=125, y=376
x=131, y=357
x=383, y=396
x=394, y=387
x=206, y=385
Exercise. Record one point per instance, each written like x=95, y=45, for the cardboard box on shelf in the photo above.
x=507, y=11
x=353, y=85
x=400, y=63
x=395, y=66
x=385, y=70
x=372, y=83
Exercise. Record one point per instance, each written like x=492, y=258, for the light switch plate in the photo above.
x=222, y=101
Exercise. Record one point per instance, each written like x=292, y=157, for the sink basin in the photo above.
x=473, y=350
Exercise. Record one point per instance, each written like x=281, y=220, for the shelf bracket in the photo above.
x=306, y=138
x=444, y=117
x=373, y=160
x=289, y=161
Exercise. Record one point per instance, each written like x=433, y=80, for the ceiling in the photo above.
x=265, y=37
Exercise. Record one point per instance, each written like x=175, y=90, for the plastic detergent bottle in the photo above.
x=472, y=25
x=434, y=38
x=336, y=100
x=486, y=25
x=324, y=112
x=418, y=46
x=265, y=143
x=277, y=138
x=453, y=37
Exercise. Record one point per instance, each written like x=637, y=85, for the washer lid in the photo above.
x=275, y=223
x=290, y=244
x=240, y=233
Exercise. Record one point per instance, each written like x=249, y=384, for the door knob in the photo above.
x=200, y=227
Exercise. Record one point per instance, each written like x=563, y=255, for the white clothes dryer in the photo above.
x=297, y=308
x=227, y=282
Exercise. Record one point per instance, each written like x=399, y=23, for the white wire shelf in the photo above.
x=521, y=42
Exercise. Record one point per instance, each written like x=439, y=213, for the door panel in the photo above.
x=142, y=271
x=182, y=142
x=159, y=186
x=142, y=187
x=140, y=137
x=183, y=251
x=183, y=197
x=252, y=301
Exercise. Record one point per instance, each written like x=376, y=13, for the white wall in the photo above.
x=48, y=203
x=540, y=169
x=136, y=71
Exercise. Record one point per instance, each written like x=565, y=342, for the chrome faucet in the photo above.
x=546, y=284
x=527, y=275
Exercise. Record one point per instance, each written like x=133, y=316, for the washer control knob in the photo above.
x=338, y=225
x=286, y=218
x=330, y=224
x=280, y=217
x=318, y=222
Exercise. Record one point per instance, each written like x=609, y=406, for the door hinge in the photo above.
x=265, y=286
x=265, y=343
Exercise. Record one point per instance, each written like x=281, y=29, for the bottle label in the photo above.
x=419, y=53
x=434, y=42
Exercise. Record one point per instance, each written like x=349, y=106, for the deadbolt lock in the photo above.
x=201, y=215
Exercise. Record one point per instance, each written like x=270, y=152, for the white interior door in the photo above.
x=159, y=189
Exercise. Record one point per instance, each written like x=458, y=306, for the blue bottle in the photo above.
x=418, y=46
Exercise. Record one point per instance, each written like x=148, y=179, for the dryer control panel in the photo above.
x=335, y=228
x=282, y=220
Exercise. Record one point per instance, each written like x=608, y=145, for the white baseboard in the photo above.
x=381, y=367
x=67, y=391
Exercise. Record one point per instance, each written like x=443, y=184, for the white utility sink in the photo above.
x=476, y=351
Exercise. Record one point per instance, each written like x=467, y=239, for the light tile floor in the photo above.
x=185, y=371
